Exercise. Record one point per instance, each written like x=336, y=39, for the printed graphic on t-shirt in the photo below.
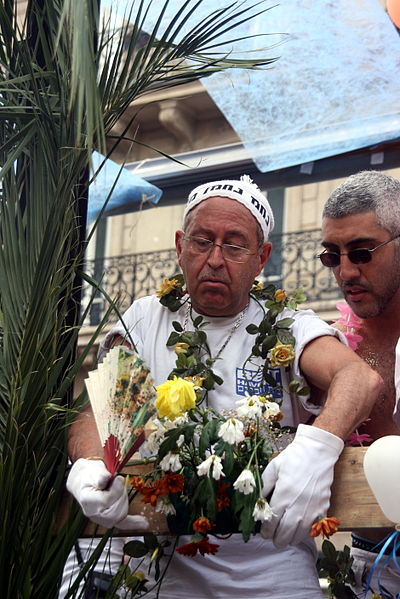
x=249, y=382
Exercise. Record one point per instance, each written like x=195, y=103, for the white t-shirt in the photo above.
x=240, y=571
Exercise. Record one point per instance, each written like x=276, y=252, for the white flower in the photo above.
x=171, y=462
x=271, y=409
x=245, y=482
x=231, y=431
x=166, y=424
x=262, y=510
x=152, y=444
x=212, y=462
x=180, y=420
x=165, y=507
x=180, y=441
x=250, y=407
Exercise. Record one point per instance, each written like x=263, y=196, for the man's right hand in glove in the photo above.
x=104, y=503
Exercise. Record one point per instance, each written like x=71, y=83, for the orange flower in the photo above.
x=250, y=431
x=203, y=547
x=325, y=527
x=173, y=482
x=201, y=525
x=137, y=482
x=222, y=497
x=150, y=492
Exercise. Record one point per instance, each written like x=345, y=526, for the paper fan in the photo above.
x=122, y=395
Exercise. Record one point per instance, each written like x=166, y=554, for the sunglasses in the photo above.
x=357, y=256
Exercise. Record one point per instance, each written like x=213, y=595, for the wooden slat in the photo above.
x=352, y=500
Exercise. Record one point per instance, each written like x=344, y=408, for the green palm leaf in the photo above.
x=66, y=77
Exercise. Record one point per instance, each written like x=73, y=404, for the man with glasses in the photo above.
x=222, y=247
x=361, y=236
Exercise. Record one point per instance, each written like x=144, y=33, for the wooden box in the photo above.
x=352, y=500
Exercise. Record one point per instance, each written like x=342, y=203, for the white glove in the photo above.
x=302, y=475
x=108, y=507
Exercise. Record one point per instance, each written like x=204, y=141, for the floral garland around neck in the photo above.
x=273, y=340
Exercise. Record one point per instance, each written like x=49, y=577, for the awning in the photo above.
x=334, y=88
x=130, y=192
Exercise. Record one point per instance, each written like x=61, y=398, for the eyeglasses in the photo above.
x=357, y=256
x=231, y=253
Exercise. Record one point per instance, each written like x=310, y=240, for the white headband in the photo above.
x=244, y=191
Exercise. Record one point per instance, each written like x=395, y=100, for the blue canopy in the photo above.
x=335, y=87
x=130, y=193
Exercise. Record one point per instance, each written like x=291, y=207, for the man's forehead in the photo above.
x=226, y=206
x=361, y=226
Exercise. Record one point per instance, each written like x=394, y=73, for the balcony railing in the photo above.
x=292, y=265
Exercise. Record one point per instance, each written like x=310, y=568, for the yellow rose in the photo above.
x=281, y=355
x=167, y=286
x=174, y=397
x=181, y=348
x=257, y=286
x=280, y=295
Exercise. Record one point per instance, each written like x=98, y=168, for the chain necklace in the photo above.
x=234, y=328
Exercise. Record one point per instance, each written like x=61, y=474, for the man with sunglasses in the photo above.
x=361, y=236
x=222, y=247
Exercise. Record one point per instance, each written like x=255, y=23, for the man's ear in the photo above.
x=178, y=244
x=265, y=254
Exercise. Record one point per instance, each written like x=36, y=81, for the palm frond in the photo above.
x=65, y=80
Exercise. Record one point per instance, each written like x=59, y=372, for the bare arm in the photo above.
x=83, y=438
x=352, y=385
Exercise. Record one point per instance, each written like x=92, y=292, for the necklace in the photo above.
x=234, y=328
x=273, y=341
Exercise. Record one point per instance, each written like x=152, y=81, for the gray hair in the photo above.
x=367, y=191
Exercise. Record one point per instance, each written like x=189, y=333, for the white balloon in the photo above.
x=382, y=471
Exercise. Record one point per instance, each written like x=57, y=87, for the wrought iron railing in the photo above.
x=292, y=265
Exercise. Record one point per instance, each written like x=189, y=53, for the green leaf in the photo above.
x=284, y=323
x=182, y=361
x=197, y=321
x=177, y=326
x=265, y=326
x=150, y=541
x=228, y=461
x=269, y=378
x=136, y=549
x=328, y=549
x=269, y=342
x=217, y=379
x=252, y=329
x=173, y=339
x=171, y=439
x=209, y=436
x=208, y=382
x=285, y=337
x=204, y=496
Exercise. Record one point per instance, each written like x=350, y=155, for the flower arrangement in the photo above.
x=208, y=467
x=207, y=464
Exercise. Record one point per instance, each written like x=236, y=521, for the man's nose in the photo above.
x=215, y=256
x=347, y=270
